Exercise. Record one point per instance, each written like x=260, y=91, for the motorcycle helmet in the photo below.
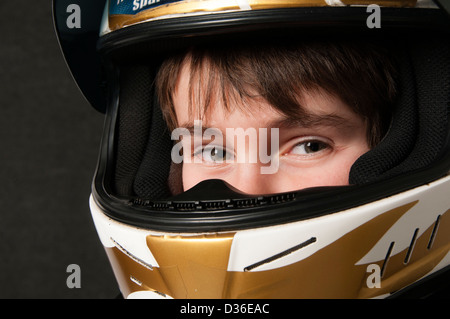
x=386, y=234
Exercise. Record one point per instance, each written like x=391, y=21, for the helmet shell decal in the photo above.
x=123, y=13
x=270, y=262
x=136, y=6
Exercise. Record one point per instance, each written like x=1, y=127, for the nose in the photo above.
x=249, y=179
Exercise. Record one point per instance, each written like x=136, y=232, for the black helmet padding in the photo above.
x=419, y=129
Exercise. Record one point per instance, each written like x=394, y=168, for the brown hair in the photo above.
x=362, y=75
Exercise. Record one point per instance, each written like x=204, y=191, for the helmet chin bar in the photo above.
x=317, y=257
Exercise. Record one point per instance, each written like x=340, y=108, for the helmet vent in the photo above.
x=434, y=232
x=248, y=202
x=221, y=204
x=281, y=198
x=126, y=252
x=187, y=206
x=215, y=204
x=411, y=246
x=386, y=259
x=282, y=254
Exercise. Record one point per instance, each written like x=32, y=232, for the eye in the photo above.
x=214, y=154
x=309, y=147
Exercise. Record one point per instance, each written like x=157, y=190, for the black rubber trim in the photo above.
x=307, y=204
x=329, y=19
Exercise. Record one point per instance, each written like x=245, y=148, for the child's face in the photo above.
x=316, y=152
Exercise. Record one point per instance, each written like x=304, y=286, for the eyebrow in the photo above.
x=193, y=128
x=287, y=122
x=312, y=120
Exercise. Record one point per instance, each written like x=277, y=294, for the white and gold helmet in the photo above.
x=386, y=234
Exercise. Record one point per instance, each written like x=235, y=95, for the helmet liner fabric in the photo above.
x=430, y=99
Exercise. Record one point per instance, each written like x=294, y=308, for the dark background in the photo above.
x=49, y=141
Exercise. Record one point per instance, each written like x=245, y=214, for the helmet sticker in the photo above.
x=124, y=13
x=135, y=6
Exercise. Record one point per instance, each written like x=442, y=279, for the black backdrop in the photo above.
x=49, y=140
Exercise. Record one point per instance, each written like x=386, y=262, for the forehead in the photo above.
x=189, y=103
x=317, y=107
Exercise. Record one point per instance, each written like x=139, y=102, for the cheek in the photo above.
x=328, y=172
x=336, y=175
x=190, y=176
x=337, y=170
x=318, y=176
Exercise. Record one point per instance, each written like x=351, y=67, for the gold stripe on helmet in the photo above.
x=197, y=266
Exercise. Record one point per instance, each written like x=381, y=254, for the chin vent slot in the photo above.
x=281, y=198
x=185, y=206
x=282, y=254
x=213, y=205
x=248, y=202
x=411, y=246
x=386, y=259
x=434, y=232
